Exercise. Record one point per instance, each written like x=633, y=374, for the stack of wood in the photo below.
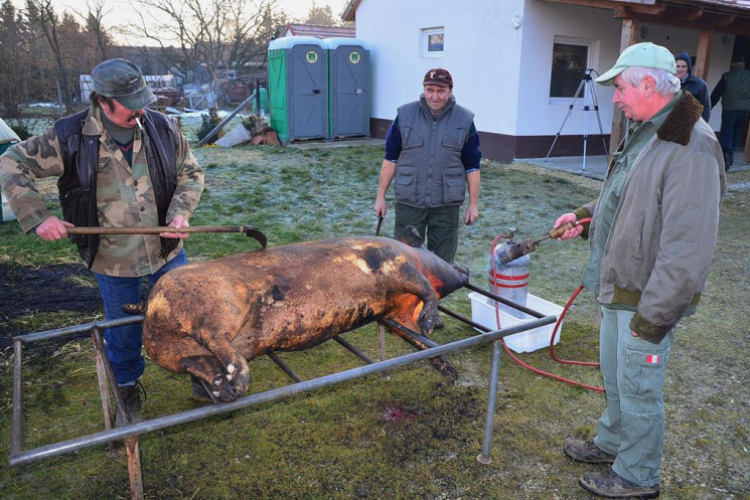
x=253, y=130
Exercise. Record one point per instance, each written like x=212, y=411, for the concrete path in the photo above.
x=339, y=143
x=596, y=166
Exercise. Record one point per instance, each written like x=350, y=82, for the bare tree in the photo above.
x=322, y=16
x=212, y=34
x=42, y=15
x=94, y=24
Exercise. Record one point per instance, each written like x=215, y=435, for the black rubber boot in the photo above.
x=728, y=161
x=133, y=396
x=609, y=484
x=586, y=451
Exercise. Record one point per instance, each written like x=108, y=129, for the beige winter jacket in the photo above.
x=665, y=229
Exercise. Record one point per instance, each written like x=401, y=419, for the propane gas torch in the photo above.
x=510, y=251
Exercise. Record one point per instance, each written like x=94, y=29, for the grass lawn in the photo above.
x=411, y=436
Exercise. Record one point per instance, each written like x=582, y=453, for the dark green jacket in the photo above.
x=734, y=90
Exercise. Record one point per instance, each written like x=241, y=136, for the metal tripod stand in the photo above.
x=589, y=98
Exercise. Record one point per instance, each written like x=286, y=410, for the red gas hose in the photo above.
x=554, y=332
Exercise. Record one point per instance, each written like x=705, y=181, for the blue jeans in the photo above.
x=732, y=123
x=124, y=342
x=632, y=426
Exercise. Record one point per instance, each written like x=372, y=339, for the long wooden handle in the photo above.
x=158, y=229
x=557, y=232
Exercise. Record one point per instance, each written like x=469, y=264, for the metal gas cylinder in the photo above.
x=510, y=280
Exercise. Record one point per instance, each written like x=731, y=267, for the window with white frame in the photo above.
x=571, y=57
x=433, y=42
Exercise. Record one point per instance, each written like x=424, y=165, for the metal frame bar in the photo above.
x=132, y=430
x=284, y=367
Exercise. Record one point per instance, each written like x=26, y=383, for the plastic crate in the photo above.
x=483, y=312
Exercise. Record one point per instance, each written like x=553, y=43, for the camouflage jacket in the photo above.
x=125, y=195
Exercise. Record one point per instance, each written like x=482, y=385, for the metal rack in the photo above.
x=130, y=432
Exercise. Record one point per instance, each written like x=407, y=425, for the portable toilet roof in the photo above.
x=335, y=42
x=288, y=42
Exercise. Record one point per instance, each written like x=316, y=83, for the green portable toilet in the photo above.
x=298, y=87
x=348, y=88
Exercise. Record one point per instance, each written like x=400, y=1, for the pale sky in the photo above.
x=121, y=12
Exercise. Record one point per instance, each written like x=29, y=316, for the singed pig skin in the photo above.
x=210, y=318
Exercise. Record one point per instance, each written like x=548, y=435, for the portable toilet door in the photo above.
x=277, y=90
x=349, y=83
x=302, y=62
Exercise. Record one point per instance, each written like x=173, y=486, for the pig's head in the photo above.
x=445, y=278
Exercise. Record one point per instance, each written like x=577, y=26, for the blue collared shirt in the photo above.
x=471, y=155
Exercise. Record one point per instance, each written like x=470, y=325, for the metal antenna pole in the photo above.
x=586, y=108
x=599, y=119
x=570, y=112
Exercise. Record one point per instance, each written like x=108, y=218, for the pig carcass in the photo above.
x=210, y=318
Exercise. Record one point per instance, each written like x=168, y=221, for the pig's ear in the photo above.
x=416, y=239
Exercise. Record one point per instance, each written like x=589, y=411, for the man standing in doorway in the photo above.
x=119, y=165
x=432, y=150
x=734, y=92
x=653, y=234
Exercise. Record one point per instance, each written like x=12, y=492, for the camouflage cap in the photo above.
x=123, y=81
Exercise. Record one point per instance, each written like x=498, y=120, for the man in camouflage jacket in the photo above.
x=119, y=165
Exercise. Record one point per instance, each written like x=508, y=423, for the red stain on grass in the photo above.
x=394, y=414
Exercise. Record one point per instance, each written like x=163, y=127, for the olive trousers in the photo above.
x=632, y=426
x=439, y=224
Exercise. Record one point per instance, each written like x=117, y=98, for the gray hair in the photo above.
x=667, y=84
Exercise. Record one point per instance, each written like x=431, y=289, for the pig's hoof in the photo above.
x=427, y=326
x=445, y=369
x=241, y=382
x=222, y=389
x=449, y=373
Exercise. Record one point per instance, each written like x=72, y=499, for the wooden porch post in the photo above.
x=619, y=122
x=703, y=58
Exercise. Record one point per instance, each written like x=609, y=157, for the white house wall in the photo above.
x=482, y=52
x=500, y=55
x=539, y=115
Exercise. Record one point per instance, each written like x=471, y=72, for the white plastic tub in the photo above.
x=483, y=312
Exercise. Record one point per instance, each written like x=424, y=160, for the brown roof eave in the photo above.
x=350, y=13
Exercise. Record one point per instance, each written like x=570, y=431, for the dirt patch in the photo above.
x=28, y=291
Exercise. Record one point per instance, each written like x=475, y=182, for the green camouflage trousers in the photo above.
x=632, y=426
x=441, y=225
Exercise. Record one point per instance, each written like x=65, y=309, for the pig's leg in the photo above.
x=211, y=371
x=234, y=364
x=409, y=280
x=438, y=362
